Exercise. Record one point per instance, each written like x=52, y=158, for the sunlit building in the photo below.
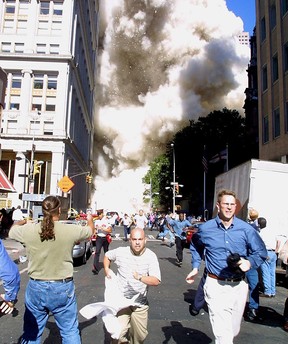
x=49, y=51
x=272, y=70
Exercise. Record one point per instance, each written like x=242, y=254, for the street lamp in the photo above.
x=174, y=178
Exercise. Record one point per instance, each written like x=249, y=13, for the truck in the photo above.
x=261, y=185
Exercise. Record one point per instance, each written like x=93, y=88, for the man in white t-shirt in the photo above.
x=137, y=268
x=140, y=220
x=103, y=231
x=17, y=214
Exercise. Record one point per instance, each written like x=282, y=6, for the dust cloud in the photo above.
x=161, y=63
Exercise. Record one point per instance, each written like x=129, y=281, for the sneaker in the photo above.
x=95, y=272
x=253, y=316
x=178, y=262
x=193, y=311
x=171, y=244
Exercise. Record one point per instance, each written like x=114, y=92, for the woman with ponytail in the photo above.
x=50, y=290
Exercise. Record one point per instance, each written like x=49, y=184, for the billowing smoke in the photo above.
x=162, y=62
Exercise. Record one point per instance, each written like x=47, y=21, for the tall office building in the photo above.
x=48, y=48
x=272, y=70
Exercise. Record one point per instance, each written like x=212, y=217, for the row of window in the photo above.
x=44, y=93
x=275, y=69
x=272, y=17
x=21, y=7
x=275, y=124
x=41, y=48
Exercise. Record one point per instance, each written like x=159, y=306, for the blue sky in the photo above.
x=246, y=10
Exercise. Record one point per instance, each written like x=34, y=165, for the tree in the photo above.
x=215, y=131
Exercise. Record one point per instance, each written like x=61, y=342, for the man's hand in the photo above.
x=244, y=264
x=6, y=307
x=191, y=276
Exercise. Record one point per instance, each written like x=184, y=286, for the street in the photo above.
x=169, y=317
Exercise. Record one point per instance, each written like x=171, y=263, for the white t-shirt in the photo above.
x=140, y=220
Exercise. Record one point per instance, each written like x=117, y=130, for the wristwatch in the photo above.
x=139, y=278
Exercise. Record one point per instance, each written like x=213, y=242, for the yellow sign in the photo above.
x=65, y=184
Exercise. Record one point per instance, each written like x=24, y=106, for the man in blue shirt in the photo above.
x=179, y=227
x=225, y=289
x=9, y=274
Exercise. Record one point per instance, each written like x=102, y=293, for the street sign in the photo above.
x=33, y=197
x=65, y=184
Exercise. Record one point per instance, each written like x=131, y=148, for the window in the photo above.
x=56, y=27
x=276, y=123
x=11, y=126
x=54, y=49
x=43, y=27
x=275, y=68
x=36, y=103
x=16, y=81
x=21, y=26
x=44, y=7
x=284, y=6
x=265, y=130
x=48, y=127
x=52, y=82
x=58, y=9
x=38, y=81
x=286, y=57
x=6, y=47
x=8, y=26
x=272, y=16
x=10, y=7
x=50, y=108
x=41, y=48
x=264, y=79
x=19, y=47
x=286, y=117
x=14, y=103
x=263, y=29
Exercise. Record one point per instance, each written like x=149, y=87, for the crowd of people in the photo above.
x=239, y=256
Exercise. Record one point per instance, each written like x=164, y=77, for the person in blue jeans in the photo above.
x=50, y=289
x=166, y=230
x=10, y=277
x=268, y=268
x=252, y=277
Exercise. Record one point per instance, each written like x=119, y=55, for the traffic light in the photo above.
x=36, y=168
x=89, y=179
x=177, y=188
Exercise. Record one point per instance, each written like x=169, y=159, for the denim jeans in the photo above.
x=253, y=282
x=59, y=298
x=268, y=270
x=165, y=232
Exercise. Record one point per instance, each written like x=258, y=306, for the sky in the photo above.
x=246, y=10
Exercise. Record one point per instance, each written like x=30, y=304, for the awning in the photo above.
x=5, y=184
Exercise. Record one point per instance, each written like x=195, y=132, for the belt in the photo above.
x=271, y=250
x=63, y=280
x=238, y=279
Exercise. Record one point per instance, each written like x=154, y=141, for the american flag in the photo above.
x=205, y=161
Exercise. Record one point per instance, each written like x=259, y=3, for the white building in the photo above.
x=48, y=50
x=244, y=38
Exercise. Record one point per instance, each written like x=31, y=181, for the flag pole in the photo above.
x=227, y=166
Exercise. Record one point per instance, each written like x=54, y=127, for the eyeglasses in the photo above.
x=228, y=204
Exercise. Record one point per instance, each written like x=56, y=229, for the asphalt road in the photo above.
x=169, y=317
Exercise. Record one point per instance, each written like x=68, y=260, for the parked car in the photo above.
x=82, y=249
x=190, y=232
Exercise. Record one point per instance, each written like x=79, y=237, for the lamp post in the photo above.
x=174, y=177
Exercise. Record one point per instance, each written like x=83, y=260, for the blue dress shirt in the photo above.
x=9, y=274
x=218, y=243
x=179, y=226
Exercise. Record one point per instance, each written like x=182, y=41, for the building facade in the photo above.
x=49, y=51
x=272, y=70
